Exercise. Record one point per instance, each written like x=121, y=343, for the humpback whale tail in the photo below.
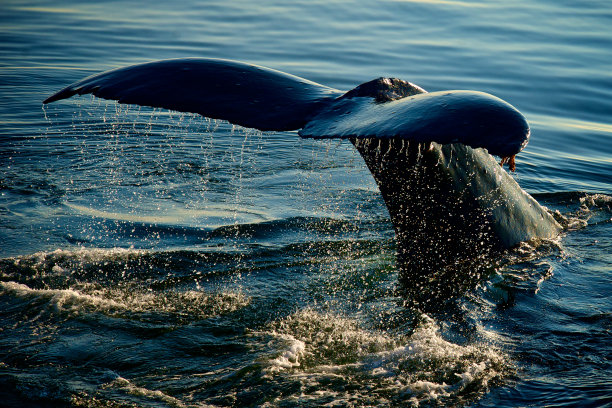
x=451, y=205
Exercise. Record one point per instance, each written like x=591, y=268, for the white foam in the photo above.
x=334, y=358
x=429, y=355
x=119, y=297
x=290, y=358
x=92, y=297
x=62, y=300
x=58, y=269
x=63, y=261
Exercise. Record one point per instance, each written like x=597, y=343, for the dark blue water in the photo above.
x=150, y=258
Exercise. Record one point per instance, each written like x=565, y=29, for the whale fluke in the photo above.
x=452, y=206
x=441, y=117
x=262, y=98
x=244, y=94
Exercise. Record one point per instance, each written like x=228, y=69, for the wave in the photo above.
x=127, y=302
x=117, y=282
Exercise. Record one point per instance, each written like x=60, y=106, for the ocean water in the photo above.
x=155, y=259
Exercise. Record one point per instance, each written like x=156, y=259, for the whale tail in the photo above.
x=453, y=208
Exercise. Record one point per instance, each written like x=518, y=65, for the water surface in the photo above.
x=150, y=258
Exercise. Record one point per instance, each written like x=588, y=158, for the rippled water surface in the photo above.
x=151, y=258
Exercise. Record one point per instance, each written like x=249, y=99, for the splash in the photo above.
x=592, y=209
x=334, y=360
x=591, y=204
